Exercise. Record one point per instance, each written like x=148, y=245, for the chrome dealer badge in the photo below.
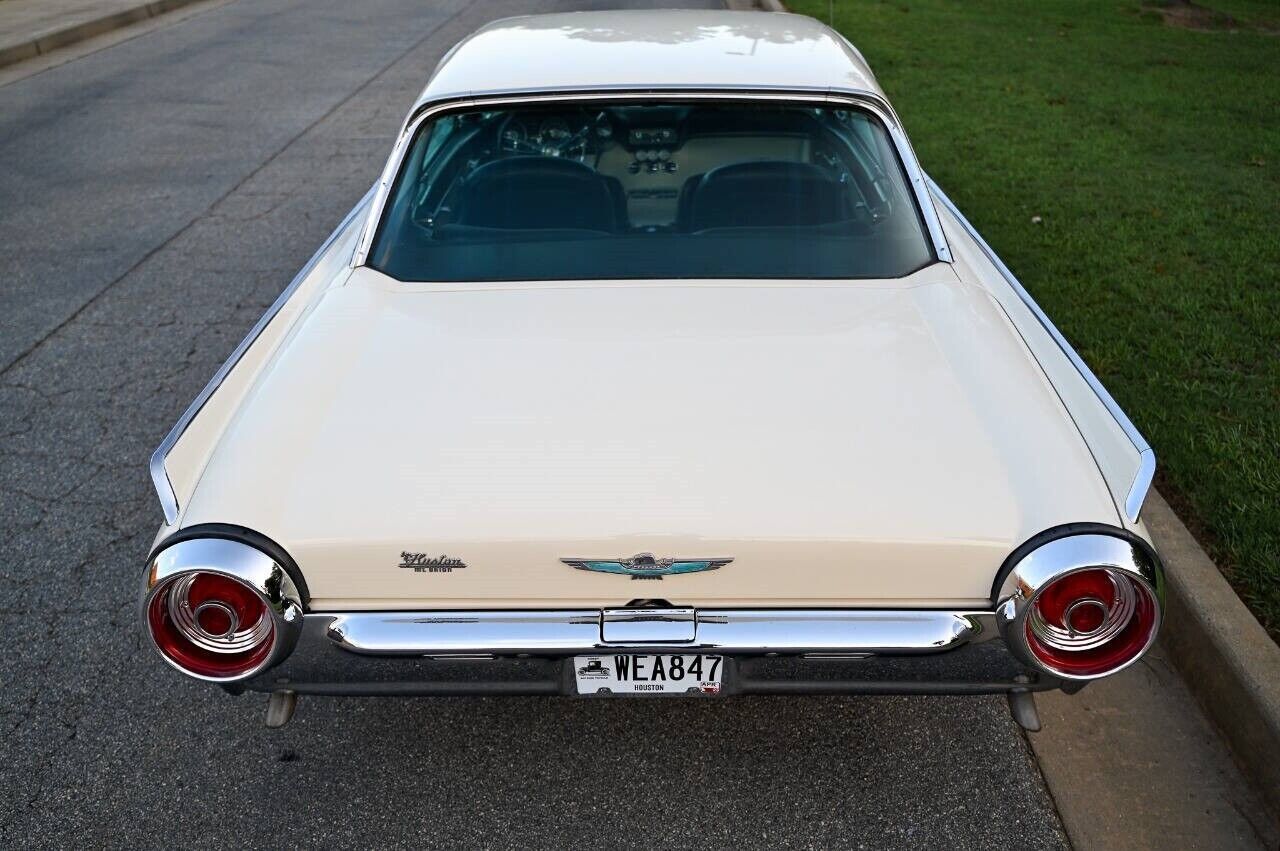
x=423, y=563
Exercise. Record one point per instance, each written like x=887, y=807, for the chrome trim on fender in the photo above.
x=1062, y=556
x=869, y=101
x=159, y=477
x=239, y=561
x=1141, y=484
x=746, y=631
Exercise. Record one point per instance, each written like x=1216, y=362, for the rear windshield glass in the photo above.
x=673, y=190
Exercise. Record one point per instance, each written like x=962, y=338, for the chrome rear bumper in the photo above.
x=768, y=651
x=595, y=630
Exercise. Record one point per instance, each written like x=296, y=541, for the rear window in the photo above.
x=672, y=190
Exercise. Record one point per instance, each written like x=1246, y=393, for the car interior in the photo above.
x=663, y=190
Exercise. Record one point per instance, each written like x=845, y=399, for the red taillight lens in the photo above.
x=1091, y=622
x=211, y=625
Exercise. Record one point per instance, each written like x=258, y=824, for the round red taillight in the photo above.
x=1091, y=622
x=211, y=625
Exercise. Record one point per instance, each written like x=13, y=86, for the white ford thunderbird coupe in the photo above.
x=653, y=364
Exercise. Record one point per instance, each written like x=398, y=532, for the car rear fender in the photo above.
x=176, y=465
x=1125, y=459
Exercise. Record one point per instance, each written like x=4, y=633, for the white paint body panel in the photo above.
x=187, y=457
x=847, y=443
x=1117, y=457
x=857, y=443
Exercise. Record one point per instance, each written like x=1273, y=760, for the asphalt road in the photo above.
x=154, y=198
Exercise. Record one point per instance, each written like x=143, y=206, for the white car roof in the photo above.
x=643, y=49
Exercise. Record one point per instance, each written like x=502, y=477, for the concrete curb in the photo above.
x=52, y=40
x=1229, y=662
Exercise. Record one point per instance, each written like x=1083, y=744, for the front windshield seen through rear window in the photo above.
x=667, y=190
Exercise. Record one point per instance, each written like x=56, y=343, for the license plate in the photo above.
x=648, y=673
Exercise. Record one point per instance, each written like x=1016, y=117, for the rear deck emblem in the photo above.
x=646, y=566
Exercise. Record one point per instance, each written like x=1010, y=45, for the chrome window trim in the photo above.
x=1141, y=484
x=869, y=101
x=746, y=631
x=159, y=476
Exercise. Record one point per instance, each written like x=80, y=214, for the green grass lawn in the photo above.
x=1151, y=154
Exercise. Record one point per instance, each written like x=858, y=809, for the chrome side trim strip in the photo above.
x=160, y=478
x=869, y=101
x=1137, y=493
x=724, y=630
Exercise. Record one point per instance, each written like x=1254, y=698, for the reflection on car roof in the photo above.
x=641, y=49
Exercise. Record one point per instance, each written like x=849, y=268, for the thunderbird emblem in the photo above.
x=645, y=566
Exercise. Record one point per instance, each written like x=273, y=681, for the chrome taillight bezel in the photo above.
x=1060, y=557
x=238, y=561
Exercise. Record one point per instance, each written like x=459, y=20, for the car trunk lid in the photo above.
x=844, y=443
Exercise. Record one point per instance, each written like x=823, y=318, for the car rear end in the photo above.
x=1076, y=604
x=647, y=393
